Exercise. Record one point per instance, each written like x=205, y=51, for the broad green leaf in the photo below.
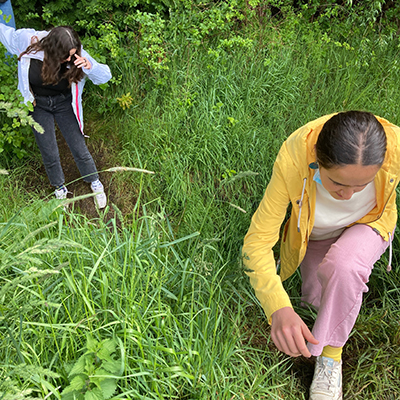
x=108, y=387
x=98, y=376
x=72, y=396
x=77, y=383
x=112, y=366
x=79, y=366
x=94, y=394
x=107, y=347
x=91, y=344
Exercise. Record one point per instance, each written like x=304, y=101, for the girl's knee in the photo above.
x=346, y=271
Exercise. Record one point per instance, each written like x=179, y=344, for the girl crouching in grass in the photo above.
x=340, y=174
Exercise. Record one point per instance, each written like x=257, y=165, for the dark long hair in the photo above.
x=56, y=47
x=351, y=138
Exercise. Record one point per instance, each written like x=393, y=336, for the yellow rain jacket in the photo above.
x=292, y=181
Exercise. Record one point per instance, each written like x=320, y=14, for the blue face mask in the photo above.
x=317, y=177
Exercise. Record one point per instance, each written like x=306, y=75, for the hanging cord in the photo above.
x=389, y=267
x=301, y=203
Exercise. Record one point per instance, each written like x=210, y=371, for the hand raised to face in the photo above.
x=82, y=62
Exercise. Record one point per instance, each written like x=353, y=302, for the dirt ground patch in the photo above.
x=124, y=196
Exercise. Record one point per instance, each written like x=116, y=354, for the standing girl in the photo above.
x=52, y=69
x=339, y=173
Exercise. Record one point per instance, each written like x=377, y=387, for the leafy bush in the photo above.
x=15, y=122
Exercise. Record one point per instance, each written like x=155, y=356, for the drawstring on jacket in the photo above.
x=301, y=203
x=389, y=267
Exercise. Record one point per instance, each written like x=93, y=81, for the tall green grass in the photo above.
x=177, y=315
x=213, y=132
x=166, y=280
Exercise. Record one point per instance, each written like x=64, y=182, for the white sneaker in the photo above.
x=61, y=193
x=327, y=381
x=100, y=199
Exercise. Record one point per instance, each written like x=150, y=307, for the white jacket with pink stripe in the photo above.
x=16, y=41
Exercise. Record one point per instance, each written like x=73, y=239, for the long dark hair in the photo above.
x=56, y=47
x=351, y=138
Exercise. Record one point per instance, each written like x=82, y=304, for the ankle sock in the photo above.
x=332, y=352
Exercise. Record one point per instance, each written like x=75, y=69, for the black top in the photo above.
x=36, y=81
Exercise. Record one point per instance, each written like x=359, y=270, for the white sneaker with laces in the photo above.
x=100, y=199
x=61, y=193
x=327, y=381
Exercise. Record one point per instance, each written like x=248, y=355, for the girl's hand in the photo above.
x=289, y=333
x=82, y=62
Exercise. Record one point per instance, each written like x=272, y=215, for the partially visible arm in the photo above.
x=288, y=331
x=16, y=41
x=263, y=234
x=9, y=38
x=97, y=73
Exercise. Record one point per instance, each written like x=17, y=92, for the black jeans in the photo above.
x=59, y=109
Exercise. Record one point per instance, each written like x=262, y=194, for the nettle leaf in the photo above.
x=108, y=386
x=79, y=366
x=92, y=344
x=107, y=347
x=99, y=376
x=112, y=366
x=94, y=394
x=72, y=396
x=77, y=383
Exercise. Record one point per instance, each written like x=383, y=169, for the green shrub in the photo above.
x=15, y=132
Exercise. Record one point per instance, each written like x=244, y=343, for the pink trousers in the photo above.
x=335, y=273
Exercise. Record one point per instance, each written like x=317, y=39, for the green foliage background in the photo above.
x=203, y=94
x=147, y=35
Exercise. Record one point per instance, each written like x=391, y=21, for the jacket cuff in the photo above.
x=274, y=303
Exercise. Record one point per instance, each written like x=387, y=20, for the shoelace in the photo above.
x=327, y=376
x=61, y=191
x=97, y=186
